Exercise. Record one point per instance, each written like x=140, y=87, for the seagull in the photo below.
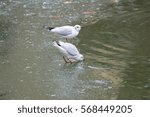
x=69, y=51
x=66, y=31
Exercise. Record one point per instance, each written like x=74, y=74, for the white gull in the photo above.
x=69, y=51
x=66, y=31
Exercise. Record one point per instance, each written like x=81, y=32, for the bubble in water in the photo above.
x=44, y=3
x=24, y=6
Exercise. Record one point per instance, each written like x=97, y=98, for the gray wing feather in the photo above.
x=62, y=31
x=72, y=52
x=71, y=49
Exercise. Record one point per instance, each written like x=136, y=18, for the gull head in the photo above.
x=77, y=27
x=80, y=57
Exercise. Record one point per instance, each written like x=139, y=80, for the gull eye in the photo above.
x=77, y=27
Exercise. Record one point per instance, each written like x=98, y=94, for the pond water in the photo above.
x=115, y=40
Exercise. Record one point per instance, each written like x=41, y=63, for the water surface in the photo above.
x=114, y=40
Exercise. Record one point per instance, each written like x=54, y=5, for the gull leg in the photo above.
x=66, y=40
x=65, y=60
x=69, y=60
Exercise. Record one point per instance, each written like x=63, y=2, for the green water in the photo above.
x=115, y=41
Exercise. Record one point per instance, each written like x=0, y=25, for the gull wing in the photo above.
x=70, y=48
x=64, y=30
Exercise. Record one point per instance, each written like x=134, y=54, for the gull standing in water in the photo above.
x=69, y=51
x=66, y=31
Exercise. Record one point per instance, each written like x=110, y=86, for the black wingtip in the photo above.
x=50, y=28
x=47, y=27
x=58, y=43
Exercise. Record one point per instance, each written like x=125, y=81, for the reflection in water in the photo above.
x=114, y=40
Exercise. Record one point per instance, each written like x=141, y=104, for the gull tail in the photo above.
x=48, y=27
x=56, y=43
